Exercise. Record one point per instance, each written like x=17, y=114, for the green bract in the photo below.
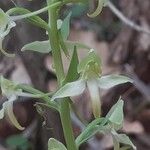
x=106, y=126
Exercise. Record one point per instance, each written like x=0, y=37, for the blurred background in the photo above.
x=122, y=50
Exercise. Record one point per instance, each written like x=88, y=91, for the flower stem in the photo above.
x=58, y=65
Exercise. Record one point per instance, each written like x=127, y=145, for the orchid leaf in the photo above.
x=109, y=81
x=70, y=89
x=38, y=46
x=63, y=45
x=90, y=130
x=44, y=46
x=65, y=27
x=55, y=145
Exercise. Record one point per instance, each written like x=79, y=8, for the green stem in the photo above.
x=54, y=41
x=66, y=124
x=58, y=65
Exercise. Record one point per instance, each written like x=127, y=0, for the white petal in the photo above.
x=109, y=81
x=95, y=97
x=70, y=89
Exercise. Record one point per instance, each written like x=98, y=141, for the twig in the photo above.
x=125, y=20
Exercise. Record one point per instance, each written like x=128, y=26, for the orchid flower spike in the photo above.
x=90, y=71
x=6, y=23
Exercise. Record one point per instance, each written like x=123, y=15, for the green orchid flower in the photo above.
x=11, y=91
x=6, y=23
x=90, y=71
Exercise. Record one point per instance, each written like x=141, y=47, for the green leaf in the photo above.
x=55, y=145
x=63, y=45
x=109, y=81
x=35, y=20
x=65, y=27
x=115, y=115
x=72, y=74
x=98, y=9
x=38, y=46
x=70, y=89
x=90, y=131
x=123, y=139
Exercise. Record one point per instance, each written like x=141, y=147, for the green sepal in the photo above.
x=70, y=89
x=109, y=81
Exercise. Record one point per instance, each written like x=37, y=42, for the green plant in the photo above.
x=81, y=74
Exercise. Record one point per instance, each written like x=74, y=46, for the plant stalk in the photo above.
x=57, y=60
